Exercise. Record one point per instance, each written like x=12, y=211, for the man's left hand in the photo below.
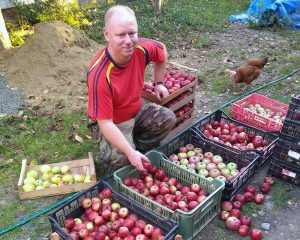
x=161, y=91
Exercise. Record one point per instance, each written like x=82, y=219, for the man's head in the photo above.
x=121, y=33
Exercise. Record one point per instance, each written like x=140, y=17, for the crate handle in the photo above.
x=280, y=106
x=23, y=169
x=259, y=119
x=205, y=207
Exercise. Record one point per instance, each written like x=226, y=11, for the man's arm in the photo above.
x=113, y=134
x=159, y=71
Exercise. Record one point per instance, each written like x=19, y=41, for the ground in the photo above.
x=221, y=50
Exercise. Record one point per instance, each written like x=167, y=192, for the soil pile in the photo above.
x=51, y=66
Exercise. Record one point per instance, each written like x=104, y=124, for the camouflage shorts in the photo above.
x=144, y=132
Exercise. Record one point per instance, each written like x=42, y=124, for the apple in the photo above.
x=226, y=206
x=243, y=230
x=123, y=232
x=206, y=160
x=47, y=176
x=217, y=159
x=250, y=188
x=190, y=154
x=211, y=166
x=115, y=206
x=200, y=165
x=123, y=212
x=214, y=173
x=195, y=187
x=224, y=215
x=256, y=234
x=69, y=223
x=269, y=180
x=231, y=166
x=259, y=198
x=222, y=178
x=146, y=164
x=32, y=173
x=106, y=214
x=221, y=166
x=184, y=162
x=29, y=180
x=136, y=231
x=67, y=178
x=233, y=223
x=45, y=169
x=64, y=169
x=173, y=182
x=140, y=224
x=79, y=178
x=157, y=234
x=249, y=197
x=173, y=157
x=56, y=170
x=265, y=187
x=141, y=237
x=208, y=155
x=246, y=220
x=235, y=212
x=194, y=159
x=240, y=198
x=237, y=205
x=234, y=172
x=225, y=172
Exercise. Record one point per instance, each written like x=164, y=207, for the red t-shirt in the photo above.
x=114, y=92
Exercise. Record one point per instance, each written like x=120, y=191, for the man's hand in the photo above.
x=161, y=91
x=136, y=159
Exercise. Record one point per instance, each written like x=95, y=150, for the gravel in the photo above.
x=10, y=100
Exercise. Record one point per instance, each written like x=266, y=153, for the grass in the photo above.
x=281, y=194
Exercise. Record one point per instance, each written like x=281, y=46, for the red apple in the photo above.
x=123, y=232
x=259, y=198
x=240, y=198
x=224, y=215
x=256, y=234
x=106, y=192
x=86, y=203
x=265, y=187
x=235, y=213
x=237, y=205
x=140, y=224
x=148, y=230
x=246, y=220
x=249, y=196
x=226, y=206
x=250, y=188
x=269, y=180
x=233, y=223
x=69, y=223
x=123, y=212
x=243, y=230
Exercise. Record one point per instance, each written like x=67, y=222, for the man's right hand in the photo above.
x=136, y=159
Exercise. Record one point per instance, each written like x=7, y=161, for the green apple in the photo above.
x=39, y=187
x=30, y=180
x=55, y=170
x=87, y=179
x=64, y=169
x=78, y=177
x=46, y=184
x=232, y=166
x=38, y=182
x=47, y=176
x=67, y=178
x=200, y=165
x=28, y=187
x=45, y=169
x=32, y=173
x=115, y=206
x=56, y=179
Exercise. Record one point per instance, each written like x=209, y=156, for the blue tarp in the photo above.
x=285, y=13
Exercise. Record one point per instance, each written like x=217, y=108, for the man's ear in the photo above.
x=105, y=33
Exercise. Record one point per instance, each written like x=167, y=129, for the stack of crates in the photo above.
x=285, y=163
x=181, y=84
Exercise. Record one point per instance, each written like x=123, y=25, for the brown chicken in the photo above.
x=248, y=72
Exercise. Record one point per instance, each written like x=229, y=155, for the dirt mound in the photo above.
x=52, y=65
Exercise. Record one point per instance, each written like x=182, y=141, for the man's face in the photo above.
x=121, y=33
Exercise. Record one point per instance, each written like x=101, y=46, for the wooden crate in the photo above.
x=191, y=86
x=84, y=166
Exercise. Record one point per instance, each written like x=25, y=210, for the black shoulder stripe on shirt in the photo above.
x=96, y=80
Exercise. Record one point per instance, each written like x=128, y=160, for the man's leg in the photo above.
x=153, y=123
x=109, y=158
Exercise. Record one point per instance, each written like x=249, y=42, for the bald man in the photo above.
x=128, y=126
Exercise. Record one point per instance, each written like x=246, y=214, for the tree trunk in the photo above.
x=4, y=37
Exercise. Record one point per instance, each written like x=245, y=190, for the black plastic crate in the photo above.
x=243, y=160
x=294, y=108
x=219, y=115
x=73, y=209
x=291, y=128
x=284, y=172
x=288, y=152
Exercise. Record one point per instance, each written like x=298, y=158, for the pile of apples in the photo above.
x=155, y=185
x=183, y=110
x=173, y=81
x=104, y=219
x=234, y=136
x=205, y=163
x=266, y=112
x=178, y=98
x=49, y=177
x=231, y=211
